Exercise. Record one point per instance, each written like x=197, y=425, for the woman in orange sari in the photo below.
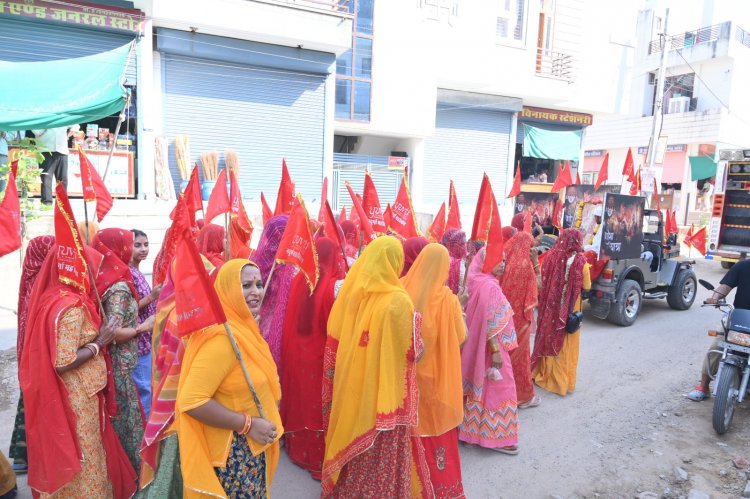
x=565, y=274
x=370, y=396
x=519, y=284
x=439, y=371
x=226, y=448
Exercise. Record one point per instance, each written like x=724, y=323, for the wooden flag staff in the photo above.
x=249, y=382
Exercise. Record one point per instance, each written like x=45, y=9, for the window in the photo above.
x=354, y=67
x=509, y=25
x=678, y=94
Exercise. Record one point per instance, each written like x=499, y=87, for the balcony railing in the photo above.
x=742, y=36
x=554, y=64
x=334, y=6
x=692, y=38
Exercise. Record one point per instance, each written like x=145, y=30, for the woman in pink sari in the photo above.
x=455, y=241
x=490, y=404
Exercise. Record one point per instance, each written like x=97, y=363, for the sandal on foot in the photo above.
x=535, y=401
x=698, y=394
x=511, y=450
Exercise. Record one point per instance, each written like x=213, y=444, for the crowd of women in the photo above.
x=403, y=350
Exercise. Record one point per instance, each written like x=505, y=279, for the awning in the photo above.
x=51, y=94
x=549, y=144
x=702, y=167
x=593, y=163
x=673, y=167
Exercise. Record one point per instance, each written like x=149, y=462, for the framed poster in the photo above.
x=622, y=226
x=541, y=204
x=574, y=194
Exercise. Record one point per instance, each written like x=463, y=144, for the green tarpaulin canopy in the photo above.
x=551, y=144
x=702, y=167
x=51, y=94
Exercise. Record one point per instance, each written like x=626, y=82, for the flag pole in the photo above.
x=244, y=370
x=268, y=281
x=227, y=240
x=86, y=218
x=117, y=132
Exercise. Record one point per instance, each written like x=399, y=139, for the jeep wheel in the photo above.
x=682, y=293
x=628, y=306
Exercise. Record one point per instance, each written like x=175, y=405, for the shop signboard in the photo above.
x=577, y=215
x=77, y=13
x=622, y=226
x=541, y=204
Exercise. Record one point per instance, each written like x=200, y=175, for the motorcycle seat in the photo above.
x=739, y=320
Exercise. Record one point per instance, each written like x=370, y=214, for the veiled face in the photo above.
x=499, y=270
x=252, y=288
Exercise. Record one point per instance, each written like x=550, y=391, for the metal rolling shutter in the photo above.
x=263, y=114
x=467, y=142
x=351, y=168
x=26, y=41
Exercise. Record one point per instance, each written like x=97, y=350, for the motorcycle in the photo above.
x=734, y=368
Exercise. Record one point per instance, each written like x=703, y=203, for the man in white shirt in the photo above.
x=53, y=142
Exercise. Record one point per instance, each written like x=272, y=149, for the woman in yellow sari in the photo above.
x=226, y=448
x=441, y=407
x=369, y=387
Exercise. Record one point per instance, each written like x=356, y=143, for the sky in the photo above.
x=688, y=15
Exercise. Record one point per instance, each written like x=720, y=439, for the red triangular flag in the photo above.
x=297, y=246
x=697, y=240
x=369, y=233
x=494, y=253
x=10, y=215
x=387, y=215
x=323, y=197
x=563, y=178
x=342, y=215
x=628, y=168
x=454, y=216
x=437, y=227
x=635, y=188
x=71, y=264
x=267, y=213
x=516, y=189
x=674, y=228
x=354, y=214
x=93, y=186
x=285, y=196
x=578, y=178
x=196, y=304
x=218, y=203
x=371, y=205
x=403, y=219
x=557, y=214
x=527, y=221
x=603, y=172
x=180, y=223
x=483, y=212
x=241, y=227
x=193, y=197
x=655, y=201
x=331, y=229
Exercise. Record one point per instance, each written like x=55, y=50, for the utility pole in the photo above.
x=659, y=97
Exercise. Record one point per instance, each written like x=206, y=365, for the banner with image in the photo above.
x=541, y=204
x=622, y=226
x=574, y=194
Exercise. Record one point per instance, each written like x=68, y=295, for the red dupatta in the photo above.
x=36, y=252
x=117, y=247
x=53, y=446
x=211, y=243
x=519, y=280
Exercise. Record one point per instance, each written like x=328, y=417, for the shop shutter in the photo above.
x=467, y=142
x=351, y=168
x=263, y=114
x=26, y=41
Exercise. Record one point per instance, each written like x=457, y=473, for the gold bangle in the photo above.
x=248, y=424
x=93, y=348
x=494, y=347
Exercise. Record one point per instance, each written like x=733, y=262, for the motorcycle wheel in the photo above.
x=727, y=392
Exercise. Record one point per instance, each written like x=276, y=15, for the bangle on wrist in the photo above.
x=247, y=425
x=93, y=348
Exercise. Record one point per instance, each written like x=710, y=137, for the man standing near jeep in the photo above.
x=737, y=277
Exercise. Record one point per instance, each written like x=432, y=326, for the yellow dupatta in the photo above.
x=443, y=330
x=198, y=442
x=374, y=383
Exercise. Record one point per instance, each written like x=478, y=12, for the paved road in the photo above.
x=622, y=431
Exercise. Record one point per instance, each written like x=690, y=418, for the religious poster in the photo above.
x=541, y=204
x=575, y=194
x=622, y=226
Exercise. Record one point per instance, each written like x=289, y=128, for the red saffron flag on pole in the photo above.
x=674, y=228
x=563, y=178
x=371, y=205
x=437, y=227
x=628, y=168
x=516, y=189
x=527, y=221
x=10, y=215
x=241, y=226
x=71, y=264
x=285, y=198
x=603, y=172
x=193, y=197
x=635, y=188
x=323, y=197
x=403, y=219
x=196, y=304
x=180, y=224
x=342, y=215
x=387, y=215
x=267, y=213
x=697, y=240
x=454, y=216
x=297, y=246
x=689, y=236
x=93, y=186
x=494, y=253
x=655, y=201
x=369, y=233
x=218, y=202
x=483, y=212
x=557, y=214
x=578, y=178
x=331, y=228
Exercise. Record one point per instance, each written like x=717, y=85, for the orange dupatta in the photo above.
x=197, y=439
x=443, y=330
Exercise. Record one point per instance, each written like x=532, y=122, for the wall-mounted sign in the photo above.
x=669, y=148
x=79, y=13
x=594, y=153
x=553, y=115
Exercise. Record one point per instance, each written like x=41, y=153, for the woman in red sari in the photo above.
x=211, y=243
x=412, y=247
x=73, y=450
x=519, y=284
x=304, y=341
